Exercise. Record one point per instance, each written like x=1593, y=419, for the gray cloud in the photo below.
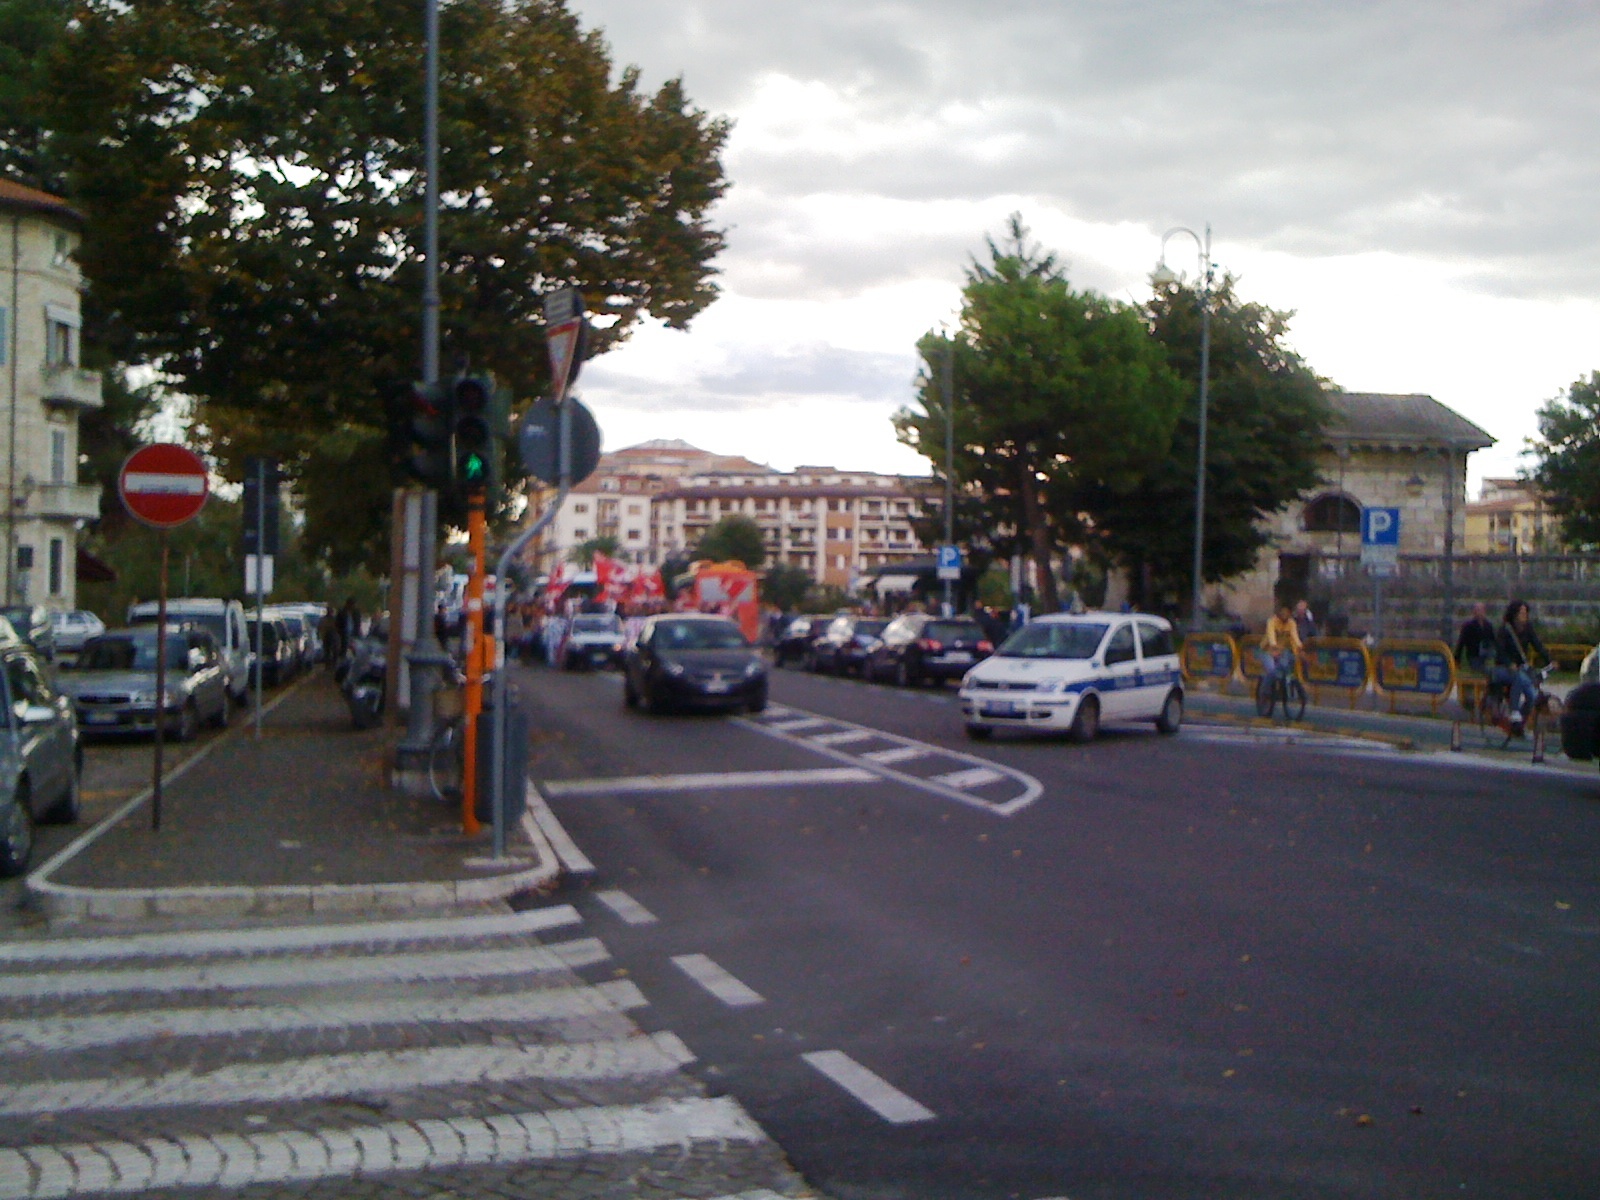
x=1463, y=129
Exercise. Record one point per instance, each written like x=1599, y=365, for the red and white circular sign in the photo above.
x=164, y=485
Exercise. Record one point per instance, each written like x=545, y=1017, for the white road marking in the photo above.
x=872, y=1090
x=258, y=941
x=975, y=777
x=795, y=726
x=546, y=1004
x=843, y=739
x=725, y=779
x=572, y=860
x=898, y=754
x=396, y=968
x=626, y=907
x=326, y=1076
x=717, y=981
x=46, y=1172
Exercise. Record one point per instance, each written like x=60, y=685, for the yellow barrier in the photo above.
x=1250, y=664
x=1209, y=656
x=1341, y=664
x=1420, y=667
x=1568, y=656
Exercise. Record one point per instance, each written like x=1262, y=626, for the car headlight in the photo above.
x=754, y=669
x=1055, y=686
x=672, y=668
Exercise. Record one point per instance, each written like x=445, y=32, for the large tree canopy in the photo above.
x=1056, y=392
x=250, y=173
x=1266, y=411
x=1567, y=451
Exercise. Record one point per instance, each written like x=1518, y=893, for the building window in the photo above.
x=63, y=254
x=60, y=336
x=580, y=508
x=24, y=558
x=58, y=456
x=581, y=535
x=5, y=335
x=57, y=566
x=1332, y=513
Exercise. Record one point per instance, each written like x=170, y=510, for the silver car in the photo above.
x=113, y=683
x=40, y=759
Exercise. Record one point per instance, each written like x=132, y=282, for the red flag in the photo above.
x=611, y=577
x=646, y=587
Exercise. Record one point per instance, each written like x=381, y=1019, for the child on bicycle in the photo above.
x=1280, y=644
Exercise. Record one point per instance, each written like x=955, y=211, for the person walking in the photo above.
x=1305, y=624
x=1475, y=639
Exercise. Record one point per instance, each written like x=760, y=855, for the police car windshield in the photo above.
x=1045, y=639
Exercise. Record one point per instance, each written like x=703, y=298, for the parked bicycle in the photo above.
x=1281, y=688
x=1494, y=709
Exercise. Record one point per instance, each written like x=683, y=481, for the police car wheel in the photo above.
x=1171, y=714
x=1086, y=723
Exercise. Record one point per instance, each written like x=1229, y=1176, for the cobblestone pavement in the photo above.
x=432, y=1057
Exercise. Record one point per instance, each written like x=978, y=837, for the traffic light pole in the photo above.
x=473, y=654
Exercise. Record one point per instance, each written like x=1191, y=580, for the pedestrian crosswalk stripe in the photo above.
x=392, y=968
x=717, y=981
x=796, y=725
x=871, y=1089
x=299, y=937
x=58, y=1033
x=57, y=1172
x=621, y=784
x=843, y=737
x=321, y=1077
x=626, y=907
x=974, y=777
x=898, y=754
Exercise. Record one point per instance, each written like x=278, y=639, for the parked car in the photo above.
x=73, y=629
x=113, y=683
x=41, y=762
x=1072, y=672
x=918, y=648
x=274, y=651
x=225, y=620
x=695, y=660
x=794, y=643
x=33, y=625
x=595, y=640
x=302, y=632
x=1580, y=712
x=845, y=644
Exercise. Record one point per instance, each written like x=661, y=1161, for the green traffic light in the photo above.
x=474, y=468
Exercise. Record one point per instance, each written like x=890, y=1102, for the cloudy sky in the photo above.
x=1416, y=180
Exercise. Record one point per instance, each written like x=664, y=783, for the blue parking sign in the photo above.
x=948, y=560
x=1380, y=526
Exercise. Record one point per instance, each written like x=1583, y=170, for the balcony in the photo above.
x=65, y=501
x=71, y=386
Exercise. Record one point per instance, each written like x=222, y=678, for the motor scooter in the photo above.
x=362, y=675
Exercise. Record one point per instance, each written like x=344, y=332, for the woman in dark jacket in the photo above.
x=1512, y=667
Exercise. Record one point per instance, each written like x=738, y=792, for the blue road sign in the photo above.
x=948, y=561
x=1380, y=526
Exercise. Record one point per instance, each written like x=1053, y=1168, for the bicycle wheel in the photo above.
x=444, y=760
x=1294, y=699
x=1266, y=695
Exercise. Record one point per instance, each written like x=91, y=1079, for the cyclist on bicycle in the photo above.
x=1512, y=669
x=1280, y=644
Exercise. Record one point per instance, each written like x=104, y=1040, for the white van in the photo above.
x=224, y=619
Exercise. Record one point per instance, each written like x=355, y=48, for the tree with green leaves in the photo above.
x=1567, y=453
x=785, y=586
x=735, y=538
x=30, y=33
x=1057, y=392
x=1266, y=410
x=250, y=177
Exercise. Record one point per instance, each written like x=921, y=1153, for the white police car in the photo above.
x=1073, y=671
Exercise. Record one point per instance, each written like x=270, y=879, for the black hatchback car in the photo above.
x=919, y=648
x=845, y=644
x=794, y=643
x=693, y=660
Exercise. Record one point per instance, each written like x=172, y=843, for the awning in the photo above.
x=93, y=570
x=884, y=584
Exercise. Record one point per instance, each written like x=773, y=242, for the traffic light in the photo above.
x=478, y=420
x=419, y=431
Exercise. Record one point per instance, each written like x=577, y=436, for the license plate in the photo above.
x=716, y=686
x=957, y=656
x=1001, y=710
x=100, y=718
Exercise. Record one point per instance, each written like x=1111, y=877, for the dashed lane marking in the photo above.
x=972, y=777
x=795, y=726
x=873, y=1090
x=626, y=907
x=327, y=1076
x=56, y=1034
x=717, y=981
x=259, y=941
x=268, y=973
x=897, y=754
x=56, y=1172
x=844, y=738
x=706, y=780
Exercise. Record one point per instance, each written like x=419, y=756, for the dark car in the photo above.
x=40, y=760
x=845, y=643
x=696, y=661
x=917, y=648
x=794, y=643
x=594, y=640
x=274, y=649
x=33, y=625
x=113, y=684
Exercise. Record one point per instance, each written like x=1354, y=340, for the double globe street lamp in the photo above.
x=1164, y=276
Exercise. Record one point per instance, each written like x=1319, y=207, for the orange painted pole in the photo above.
x=472, y=652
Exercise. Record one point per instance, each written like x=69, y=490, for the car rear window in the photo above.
x=950, y=631
x=597, y=624
x=1049, y=640
x=130, y=654
x=699, y=635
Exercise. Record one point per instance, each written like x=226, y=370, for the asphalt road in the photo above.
x=1192, y=966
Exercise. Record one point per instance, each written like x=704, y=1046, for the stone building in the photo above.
x=46, y=391
x=1379, y=450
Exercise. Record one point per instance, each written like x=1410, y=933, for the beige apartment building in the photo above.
x=1509, y=517
x=46, y=390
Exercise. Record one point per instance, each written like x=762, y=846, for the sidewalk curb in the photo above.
x=68, y=903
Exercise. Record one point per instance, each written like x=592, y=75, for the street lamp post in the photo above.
x=1164, y=275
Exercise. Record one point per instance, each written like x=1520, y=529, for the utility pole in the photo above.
x=947, y=388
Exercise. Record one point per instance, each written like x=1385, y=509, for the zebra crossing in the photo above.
x=450, y=1057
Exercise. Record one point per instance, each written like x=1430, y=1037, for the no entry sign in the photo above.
x=164, y=485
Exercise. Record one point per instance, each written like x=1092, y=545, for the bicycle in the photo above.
x=1494, y=708
x=1281, y=687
